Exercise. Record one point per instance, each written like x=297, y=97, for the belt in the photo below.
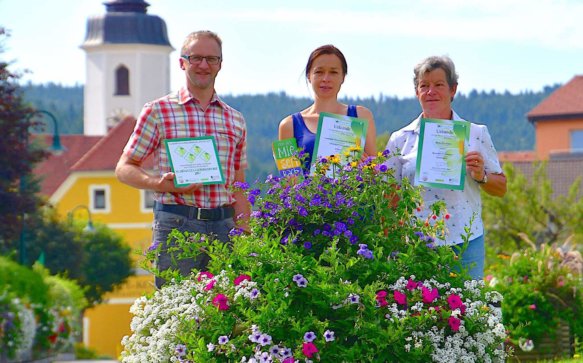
x=203, y=214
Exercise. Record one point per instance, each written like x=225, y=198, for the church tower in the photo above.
x=127, y=63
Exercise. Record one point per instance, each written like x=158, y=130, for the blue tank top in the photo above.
x=306, y=138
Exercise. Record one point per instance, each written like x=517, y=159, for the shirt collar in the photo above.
x=416, y=124
x=184, y=96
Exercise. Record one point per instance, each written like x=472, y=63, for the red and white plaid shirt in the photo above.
x=179, y=115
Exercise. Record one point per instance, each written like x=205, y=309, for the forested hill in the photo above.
x=504, y=113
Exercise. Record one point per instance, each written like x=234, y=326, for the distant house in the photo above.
x=558, y=122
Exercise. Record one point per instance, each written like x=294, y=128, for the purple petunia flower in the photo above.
x=180, y=350
x=241, y=185
x=329, y=335
x=223, y=339
x=307, y=245
x=309, y=336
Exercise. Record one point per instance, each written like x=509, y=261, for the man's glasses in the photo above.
x=197, y=59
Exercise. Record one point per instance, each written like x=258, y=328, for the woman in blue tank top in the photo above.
x=325, y=71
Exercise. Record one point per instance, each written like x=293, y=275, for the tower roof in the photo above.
x=565, y=102
x=126, y=22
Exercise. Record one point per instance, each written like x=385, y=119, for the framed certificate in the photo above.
x=337, y=134
x=441, y=153
x=194, y=161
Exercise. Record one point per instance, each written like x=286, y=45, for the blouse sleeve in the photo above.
x=491, y=162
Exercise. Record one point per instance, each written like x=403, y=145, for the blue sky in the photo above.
x=513, y=45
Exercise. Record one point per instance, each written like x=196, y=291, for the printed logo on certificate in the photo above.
x=194, y=161
x=337, y=134
x=441, y=153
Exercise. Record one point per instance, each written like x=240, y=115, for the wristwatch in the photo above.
x=484, y=179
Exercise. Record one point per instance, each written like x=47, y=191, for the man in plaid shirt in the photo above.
x=194, y=111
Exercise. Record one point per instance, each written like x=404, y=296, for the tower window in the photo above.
x=122, y=81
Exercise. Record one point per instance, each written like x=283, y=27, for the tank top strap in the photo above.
x=351, y=111
x=299, y=125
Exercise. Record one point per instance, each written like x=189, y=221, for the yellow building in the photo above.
x=127, y=64
x=81, y=184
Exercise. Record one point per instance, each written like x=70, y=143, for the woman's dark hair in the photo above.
x=326, y=49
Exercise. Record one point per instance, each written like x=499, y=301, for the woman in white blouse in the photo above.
x=435, y=87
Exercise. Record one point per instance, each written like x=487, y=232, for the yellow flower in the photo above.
x=334, y=159
x=354, y=164
x=354, y=148
x=452, y=274
x=347, y=153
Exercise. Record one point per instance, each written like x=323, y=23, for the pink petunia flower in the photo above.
x=454, y=323
x=411, y=285
x=532, y=307
x=242, y=278
x=206, y=274
x=221, y=302
x=210, y=285
x=400, y=298
x=455, y=302
x=429, y=295
x=382, y=298
x=309, y=349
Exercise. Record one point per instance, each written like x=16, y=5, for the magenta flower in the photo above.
x=309, y=349
x=221, y=302
x=206, y=274
x=429, y=295
x=242, y=278
x=455, y=302
x=532, y=307
x=210, y=285
x=411, y=285
x=400, y=298
x=382, y=298
x=454, y=323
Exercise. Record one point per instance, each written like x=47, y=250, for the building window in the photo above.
x=122, y=81
x=577, y=140
x=146, y=201
x=100, y=199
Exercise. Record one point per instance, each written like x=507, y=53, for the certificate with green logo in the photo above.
x=337, y=134
x=194, y=161
x=441, y=153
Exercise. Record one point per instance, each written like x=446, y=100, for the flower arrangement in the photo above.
x=542, y=288
x=41, y=324
x=335, y=267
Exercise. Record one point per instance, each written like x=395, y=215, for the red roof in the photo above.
x=85, y=153
x=105, y=154
x=564, y=102
x=56, y=168
x=516, y=156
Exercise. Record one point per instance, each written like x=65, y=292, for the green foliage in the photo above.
x=22, y=281
x=38, y=312
x=529, y=212
x=17, y=187
x=542, y=286
x=98, y=261
x=331, y=270
x=108, y=262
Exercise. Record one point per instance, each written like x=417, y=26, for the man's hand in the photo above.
x=166, y=184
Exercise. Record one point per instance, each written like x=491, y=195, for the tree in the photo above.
x=98, y=260
x=17, y=187
x=529, y=209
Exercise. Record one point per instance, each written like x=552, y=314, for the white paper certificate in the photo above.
x=441, y=153
x=337, y=134
x=194, y=160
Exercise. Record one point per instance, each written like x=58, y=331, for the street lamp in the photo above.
x=89, y=227
x=56, y=147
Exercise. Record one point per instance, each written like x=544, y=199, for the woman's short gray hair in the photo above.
x=432, y=63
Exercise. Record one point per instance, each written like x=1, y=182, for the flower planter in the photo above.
x=549, y=347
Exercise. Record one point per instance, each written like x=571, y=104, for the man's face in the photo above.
x=201, y=75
